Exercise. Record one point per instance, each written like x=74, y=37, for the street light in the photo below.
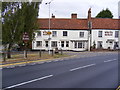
x=49, y=25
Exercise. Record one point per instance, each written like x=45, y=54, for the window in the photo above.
x=81, y=34
x=75, y=44
x=116, y=34
x=100, y=34
x=79, y=44
x=67, y=43
x=46, y=43
x=39, y=33
x=64, y=33
x=39, y=43
x=54, y=33
x=54, y=44
x=99, y=44
x=62, y=43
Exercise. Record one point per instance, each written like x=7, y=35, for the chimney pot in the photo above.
x=53, y=16
x=74, y=16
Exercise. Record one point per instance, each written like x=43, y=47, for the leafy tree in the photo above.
x=105, y=14
x=11, y=25
x=17, y=18
x=30, y=14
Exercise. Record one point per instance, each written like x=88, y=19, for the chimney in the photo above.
x=89, y=14
x=74, y=16
x=53, y=16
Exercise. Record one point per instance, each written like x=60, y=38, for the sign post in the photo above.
x=48, y=33
x=25, y=39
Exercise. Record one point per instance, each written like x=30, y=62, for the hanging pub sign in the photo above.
x=108, y=33
x=25, y=37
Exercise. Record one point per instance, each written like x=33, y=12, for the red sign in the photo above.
x=25, y=37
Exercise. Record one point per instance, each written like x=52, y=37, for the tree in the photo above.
x=17, y=18
x=12, y=25
x=105, y=14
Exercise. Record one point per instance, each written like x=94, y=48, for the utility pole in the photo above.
x=119, y=22
x=89, y=30
x=49, y=26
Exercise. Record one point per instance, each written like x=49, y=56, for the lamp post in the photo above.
x=49, y=26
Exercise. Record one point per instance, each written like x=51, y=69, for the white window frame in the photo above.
x=81, y=34
x=100, y=33
x=39, y=33
x=53, y=43
x=67, y=43
x=62, y=43
x=77, y=43
x=46, y=44
x=38, y=43
x=116, y=34
x=65, y=35
x=54, y=33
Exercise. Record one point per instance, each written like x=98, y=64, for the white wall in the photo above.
x=72, y=35
x=104, y=38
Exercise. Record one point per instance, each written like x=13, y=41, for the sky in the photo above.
x=64, y=8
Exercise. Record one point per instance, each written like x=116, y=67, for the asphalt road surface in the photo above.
x=89, y=72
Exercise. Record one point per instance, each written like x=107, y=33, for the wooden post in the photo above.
x=4, y=56
x=25, y=54
x=61, y=51
x=40, y=53
x=52, y=52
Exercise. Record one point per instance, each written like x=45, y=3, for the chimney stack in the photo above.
x=53, y=16
x=89, y=14
x=74, y=16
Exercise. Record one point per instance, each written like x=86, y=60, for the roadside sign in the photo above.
x=25, y=37
x=47, y=33
x=44, y=32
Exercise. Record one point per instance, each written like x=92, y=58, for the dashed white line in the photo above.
x=49, y=61
x=82, y=67
x=22, y=65
x=29, y=82
x=56, y=60
x=110, y=60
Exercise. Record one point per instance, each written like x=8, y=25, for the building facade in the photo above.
x=76, y=34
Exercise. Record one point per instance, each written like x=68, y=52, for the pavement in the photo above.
x=85, y=70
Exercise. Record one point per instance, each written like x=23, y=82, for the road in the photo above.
x=98, y=71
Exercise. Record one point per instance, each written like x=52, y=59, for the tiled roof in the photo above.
x=81, y=24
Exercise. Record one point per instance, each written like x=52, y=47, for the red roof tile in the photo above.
x=97, y=23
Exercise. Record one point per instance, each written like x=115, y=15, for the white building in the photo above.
x=72, y=34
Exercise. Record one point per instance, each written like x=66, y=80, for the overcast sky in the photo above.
x=64, y=8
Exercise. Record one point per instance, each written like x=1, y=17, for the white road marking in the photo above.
x=22, y=65
x=49, y=61
x=110, y=60
x=82, y=67
x=11, y=67
x=29, y=82
x=56, y=60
